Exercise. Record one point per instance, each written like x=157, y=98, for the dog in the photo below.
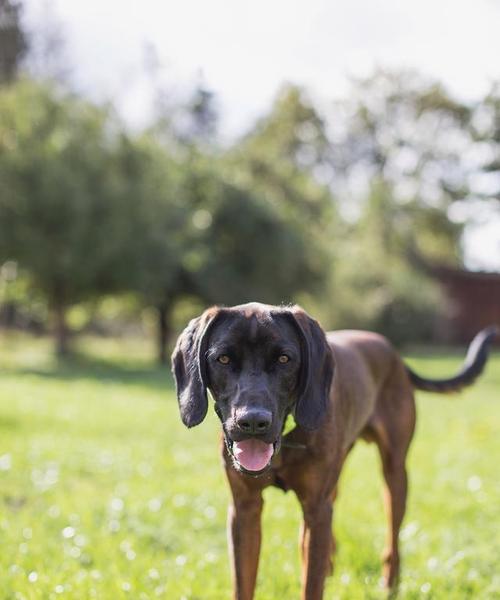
x=262, y=363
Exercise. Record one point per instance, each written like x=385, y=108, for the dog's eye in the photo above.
x=283, y=359
x=223, y=359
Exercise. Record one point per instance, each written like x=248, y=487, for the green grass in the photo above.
x=104, y=494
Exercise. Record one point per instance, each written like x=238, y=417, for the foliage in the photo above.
x=13, y=42
x=63, y=214
x=327, y=208
x=376, y=285
x=106, y=494
x=412, y=136
x=400, y=152
x=282, y=157
x=282, y=161
x=241, y=247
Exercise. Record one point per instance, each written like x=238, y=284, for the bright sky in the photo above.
x=244, y=49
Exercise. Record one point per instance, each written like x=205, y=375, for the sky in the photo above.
x=243, y=50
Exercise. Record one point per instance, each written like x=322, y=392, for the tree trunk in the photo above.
x=163, y=333
x=61, y=331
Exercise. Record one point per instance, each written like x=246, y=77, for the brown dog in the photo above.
x=262, y=363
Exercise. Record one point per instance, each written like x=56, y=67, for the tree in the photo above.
x=63, y=214
x=409, y=134
x=284, y=158
x=376, y=285
x=282, y=162
x=242, y=248
x=13, y=43
x=155, y=271
x=399, y=148
x=215, y=242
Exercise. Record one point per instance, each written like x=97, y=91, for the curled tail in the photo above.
x=476, y=358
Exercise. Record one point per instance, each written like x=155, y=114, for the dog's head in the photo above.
x=260, y=363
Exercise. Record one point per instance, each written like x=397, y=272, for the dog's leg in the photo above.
x=333, y=544
x=393, y=446
x=244, y=536
x=392, y=427
x=317, y=544
x=395, y=492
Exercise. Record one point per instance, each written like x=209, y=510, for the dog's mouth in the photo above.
x=251, y=456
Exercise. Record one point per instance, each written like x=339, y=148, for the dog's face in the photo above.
x=259, y=363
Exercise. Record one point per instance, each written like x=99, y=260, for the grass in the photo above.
x=103, y=493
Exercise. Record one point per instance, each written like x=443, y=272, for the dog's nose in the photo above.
x=254, y=421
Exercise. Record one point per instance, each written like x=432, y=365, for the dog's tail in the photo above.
x=476, y=358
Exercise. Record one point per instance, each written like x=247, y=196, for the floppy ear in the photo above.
x=316, y=371
x=190, y=369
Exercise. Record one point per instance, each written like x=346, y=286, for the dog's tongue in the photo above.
x=253, y=455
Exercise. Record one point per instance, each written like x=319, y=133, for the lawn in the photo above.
x=104, y=494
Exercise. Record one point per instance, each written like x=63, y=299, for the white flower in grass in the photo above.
x=456, y=558
x=154, y=504
x=80, y=540
x=180, y=560
x=74, y=519
x=425, y=588
x=68, y=532
x=117, y=504
x=409, y=531
x=474, y=483
x=114, y=525
x=33, y=577
x=5, y=462
x=179, y=500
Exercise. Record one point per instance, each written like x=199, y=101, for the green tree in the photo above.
x=283, y=161
x=13, y=43
x=216, y=243
x=409, y=134
x=376, y=286
x=284, y=158
x=242, y=247
x=63, y=214
x=155, y=187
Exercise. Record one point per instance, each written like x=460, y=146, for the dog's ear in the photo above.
x=316, y=371
x=189, y=367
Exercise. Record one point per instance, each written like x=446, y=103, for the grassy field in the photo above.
x=105, y=495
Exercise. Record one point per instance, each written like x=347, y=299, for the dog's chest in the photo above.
x=292, y=460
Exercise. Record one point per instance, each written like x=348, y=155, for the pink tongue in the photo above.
x=253, y=455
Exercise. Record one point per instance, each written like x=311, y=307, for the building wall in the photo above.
x=472, y=302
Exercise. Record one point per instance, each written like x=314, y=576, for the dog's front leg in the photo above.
x=316, y=545
x=244, y=535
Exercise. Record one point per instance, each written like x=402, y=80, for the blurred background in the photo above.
x=156, y=160
x=160, y=157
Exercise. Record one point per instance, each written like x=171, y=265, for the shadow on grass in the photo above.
x=81, y=366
